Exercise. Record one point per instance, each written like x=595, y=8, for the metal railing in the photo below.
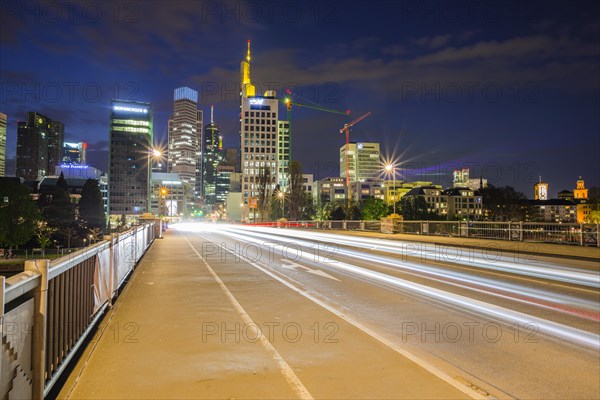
x=48, y=310
x=541, y=232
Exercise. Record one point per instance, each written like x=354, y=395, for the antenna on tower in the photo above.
x=248, y=54
x=211, y=114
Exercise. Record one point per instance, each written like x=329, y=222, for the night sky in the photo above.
x=510, y=90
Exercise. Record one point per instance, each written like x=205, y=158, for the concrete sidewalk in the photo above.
x=154, y=343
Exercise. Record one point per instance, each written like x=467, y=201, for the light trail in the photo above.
x=547, y=327
x=452, y=254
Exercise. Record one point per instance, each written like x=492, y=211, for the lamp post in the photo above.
x=152, y=154
x=280, y=195
x=392, y=168
x=163, y=201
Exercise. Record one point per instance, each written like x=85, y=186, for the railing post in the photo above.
x=344, y=225
x=581, y=234
x=40, y=301
x=361, y=225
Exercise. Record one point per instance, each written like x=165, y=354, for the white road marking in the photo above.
x=288, y=373
x=422, y=363
x=293, y=266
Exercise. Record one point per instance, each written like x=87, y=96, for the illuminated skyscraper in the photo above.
x=39, y=146
x=56, y=141
x=258, y=133
x=212, y=155
x=3, y=120
x=130, y=144
x=185, y=139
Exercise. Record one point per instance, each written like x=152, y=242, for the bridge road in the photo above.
x=186, y=327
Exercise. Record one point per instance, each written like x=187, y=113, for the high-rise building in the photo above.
x=212, y=155
x=131, y=135
x=283, y=154
x=223, y=182
x=232, y=157
x=364, y=161
x=74, y=152
x=39, y=146
x=56, y=142
x=540, y=190
x=258, y=133
x=185, y=138
x=3, y=121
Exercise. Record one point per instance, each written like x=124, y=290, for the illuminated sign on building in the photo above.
x=74, y=166
x=256, y=101
x=131, y=109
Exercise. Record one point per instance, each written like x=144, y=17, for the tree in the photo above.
x=56, y=207
x=62, y=183
x=264, y=183
x=338, y=213
x=308, y=210
x=502, y=203
x=91, y=208
x=353, y=211
x=296, y=195
x=374, y=209
x=18, y=213
x=43, y=233
x=415, y=208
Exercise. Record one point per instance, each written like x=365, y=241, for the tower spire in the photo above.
x=211, y=114
x=248, y=53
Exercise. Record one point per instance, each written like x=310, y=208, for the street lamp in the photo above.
x=243, y=205
x=392, y=168
x=280, y=195
x=163, y=201
x=152, y=154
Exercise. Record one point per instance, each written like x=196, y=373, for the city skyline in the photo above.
x=424, y=84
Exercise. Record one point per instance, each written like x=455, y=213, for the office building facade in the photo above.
x=131, y=133
x=185, y=138
x=364, y=161
x=39, y=146
x=212, y=156
x=3, y=123
x=258, y=134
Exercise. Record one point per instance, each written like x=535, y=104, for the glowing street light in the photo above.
x=281, y=197
x=392, y=168
x=153, y=154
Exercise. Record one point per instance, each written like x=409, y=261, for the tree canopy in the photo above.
x=18, y=214
x=91, y=208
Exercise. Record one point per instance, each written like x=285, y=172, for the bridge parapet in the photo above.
x=47, y=311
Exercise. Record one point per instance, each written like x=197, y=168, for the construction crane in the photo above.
x=346, y=130
x=289, y=103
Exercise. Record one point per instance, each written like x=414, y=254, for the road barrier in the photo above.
x=48, y=310
x=540, y=232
